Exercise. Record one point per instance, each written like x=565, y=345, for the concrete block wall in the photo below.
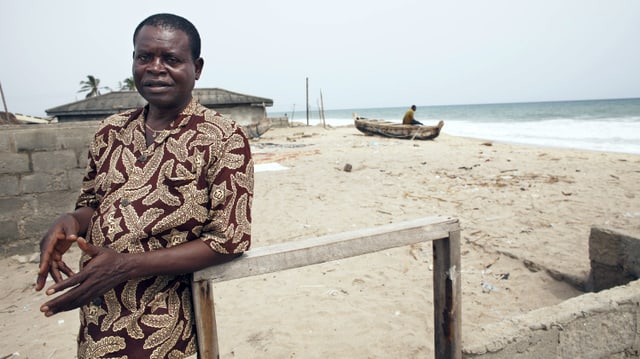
x=605, y=324
x=243, y=115
x=41, y=170
x=593, y=325
x=615, y=258
x=279, y=121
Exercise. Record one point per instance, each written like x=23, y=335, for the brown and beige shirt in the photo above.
x=194, y=182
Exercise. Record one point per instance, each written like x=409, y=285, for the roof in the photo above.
x=119, y=101
x=33, y=119
x=10, y=120
x=213, y=97
x=20, y=119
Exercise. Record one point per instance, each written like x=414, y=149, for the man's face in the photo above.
x=163, y=70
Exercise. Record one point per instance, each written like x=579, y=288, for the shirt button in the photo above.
x=142, y=158
x=125, y=202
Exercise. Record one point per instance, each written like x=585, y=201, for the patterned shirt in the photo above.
x=193, y=182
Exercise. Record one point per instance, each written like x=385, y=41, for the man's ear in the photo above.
x=199, y=65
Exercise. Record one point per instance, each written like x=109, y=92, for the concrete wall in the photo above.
x=615, y=258
x=605, y=324
x=41, y=170
x=243, y=115
x=279, y=122
x=594, y=325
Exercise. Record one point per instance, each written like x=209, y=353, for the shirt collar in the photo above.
x=193, y=108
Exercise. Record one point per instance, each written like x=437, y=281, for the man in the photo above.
x=168, y=191
x=409, y=119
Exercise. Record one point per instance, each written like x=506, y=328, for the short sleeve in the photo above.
x=230, y=194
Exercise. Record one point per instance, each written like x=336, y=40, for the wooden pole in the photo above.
x=4, y=102
x=324, y=124
x=307, y=101
x=293, y=112
x=447, y=297
x=207, y=332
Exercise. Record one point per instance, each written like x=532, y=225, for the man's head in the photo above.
x=173, y=22
x=413, y=107
x=166, y=61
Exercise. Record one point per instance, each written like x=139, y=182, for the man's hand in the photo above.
x=104, y=271
x=62, y=233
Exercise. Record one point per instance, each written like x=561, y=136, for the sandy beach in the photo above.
x=525, y=214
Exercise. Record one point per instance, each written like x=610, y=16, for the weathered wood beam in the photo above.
x=332, y=247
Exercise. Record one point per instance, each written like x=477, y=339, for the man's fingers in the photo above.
x=55, y=272
x=87, y=247
x=67, y=283
x=44, y=267
x=65, y=269
x=71, y=299
x=47, y=253
x=41, y=280
x=55, y=269
x=62, y=303
x=45, y=259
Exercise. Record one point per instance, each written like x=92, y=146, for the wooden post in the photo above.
x=307, y=101
x=293, y=113
x=204, y=310
x=6, y=112
x=324, y=124
x=447, y=297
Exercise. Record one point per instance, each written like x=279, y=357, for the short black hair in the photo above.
x=174, y=22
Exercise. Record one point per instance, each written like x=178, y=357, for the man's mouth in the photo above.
x=156, y=84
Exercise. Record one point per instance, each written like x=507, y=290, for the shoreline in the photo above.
x=513, y=143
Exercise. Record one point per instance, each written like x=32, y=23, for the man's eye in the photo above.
x=172, y=60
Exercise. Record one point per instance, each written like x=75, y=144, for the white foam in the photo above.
x=588, y=135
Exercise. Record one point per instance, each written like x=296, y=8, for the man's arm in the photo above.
x=107, y=268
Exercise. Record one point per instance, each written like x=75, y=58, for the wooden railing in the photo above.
x=444, y=232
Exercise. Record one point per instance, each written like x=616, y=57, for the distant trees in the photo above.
x=127, y=84
x=91, y=86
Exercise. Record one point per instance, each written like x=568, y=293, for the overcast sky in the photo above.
x=369, y=53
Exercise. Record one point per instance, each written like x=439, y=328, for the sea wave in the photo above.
x=600, y=125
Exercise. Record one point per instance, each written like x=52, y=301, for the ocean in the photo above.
x=611, y=125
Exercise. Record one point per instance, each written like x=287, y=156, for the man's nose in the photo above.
x=157, y=64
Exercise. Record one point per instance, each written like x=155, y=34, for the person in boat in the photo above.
x=409, y=117
x=167, y=192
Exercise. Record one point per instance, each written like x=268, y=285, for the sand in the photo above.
x=525, y=214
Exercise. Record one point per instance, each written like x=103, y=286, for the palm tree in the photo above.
x=127, y=85
x=92, y=86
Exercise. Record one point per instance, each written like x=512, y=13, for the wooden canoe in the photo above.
x=255, y=130
x=371, y=127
